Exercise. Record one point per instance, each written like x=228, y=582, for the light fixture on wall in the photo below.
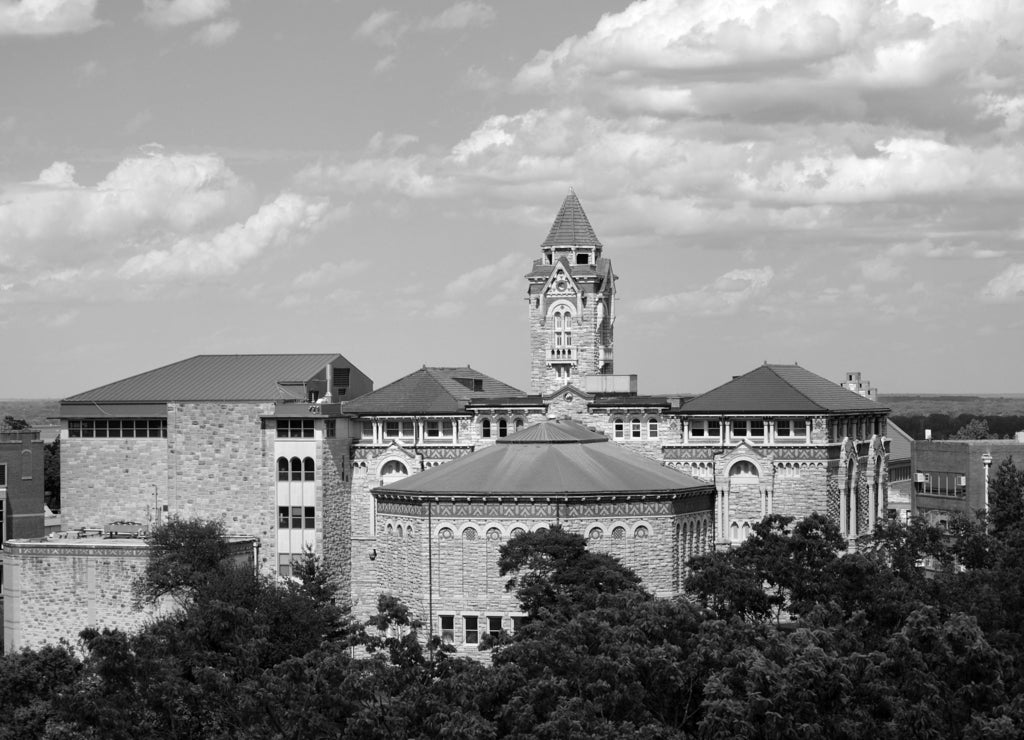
x=373, y=554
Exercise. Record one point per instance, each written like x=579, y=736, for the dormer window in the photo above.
x=582, y=258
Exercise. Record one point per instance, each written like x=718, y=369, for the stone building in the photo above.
x=299, y=451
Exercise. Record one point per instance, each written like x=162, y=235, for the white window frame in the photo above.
x=701, y=428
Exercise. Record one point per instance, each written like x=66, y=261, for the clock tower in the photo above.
x=572, y=304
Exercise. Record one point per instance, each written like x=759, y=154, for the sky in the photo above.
x=836, y=183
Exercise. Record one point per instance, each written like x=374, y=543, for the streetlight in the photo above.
x=986, y=460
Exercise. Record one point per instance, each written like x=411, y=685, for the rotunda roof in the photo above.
x=550, y=458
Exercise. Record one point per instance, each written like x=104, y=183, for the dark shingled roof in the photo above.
x=431, y=390
x=571, y=227
x=780, y=389
x=215, y=378
x=551, y=457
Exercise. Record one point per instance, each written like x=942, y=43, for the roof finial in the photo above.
x=571, y=191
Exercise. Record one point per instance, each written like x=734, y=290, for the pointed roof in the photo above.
x=780, y=389
x=432, y=390
x=571, y=227
x=551, y=458
x=216, y=378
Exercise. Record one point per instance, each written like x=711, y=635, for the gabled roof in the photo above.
x=571, y=227
x=780, y=389
x=551, y=457
x=432, y=390
x=217, y=378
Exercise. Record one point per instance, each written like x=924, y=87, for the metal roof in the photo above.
x=216, y=378
x=432, y=390
x=780, y=389
x=571, y=227
x=550, y=457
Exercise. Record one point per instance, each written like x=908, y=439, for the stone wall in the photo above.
x=108, y=480
x=335, y=515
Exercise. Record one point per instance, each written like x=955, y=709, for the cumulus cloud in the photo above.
x=173, y=13
x=460, y=15
x=726, y=295
x=217, y=33
x=176, y=191
x=1006, y=287
x=485, y=278
x=288, y=217
x=46, y=17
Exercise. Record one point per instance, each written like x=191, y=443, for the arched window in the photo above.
x=746, y=530
x=619, y=533
x=734, y=532
x=485, y=428
x=309, y=469
x=494, y=534
x=518, y=424
x=619, y=429
x=282, y=468
x=634, y=428
x=394, y=467
x=641, y=532
x=401, y=532
x=390, y=530
x=469, y=533
x=518, y=532
x=296, y=469
x=446, y=533
x=502, y=428
x=652, y=428
x=743, y=468
x=596, y=533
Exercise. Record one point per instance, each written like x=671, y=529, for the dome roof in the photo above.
x=550, y=458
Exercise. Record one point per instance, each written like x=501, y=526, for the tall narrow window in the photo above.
x=502, y=428
x=309, y=469
x=296, y=469
x=282, y=468
x=634, y=427
x=485, y=429
x=447, y=628
x=472, y=630
x=652, y=428
x=619, y=429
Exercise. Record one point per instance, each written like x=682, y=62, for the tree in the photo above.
x=1006, y=498
x=15, y=425
x=51, y=473
x=554, y=572
x=974, y=429
x=184, y=555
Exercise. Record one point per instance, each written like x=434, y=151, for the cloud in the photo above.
x=178, y=191
x=460, y=15
x=329, y=273
x=1006, y=287
x=726, y=295
x=382, y=27
x=173, y=13
x=275, y=224
x=217, y=33
x=485, y=278
x=46, y=17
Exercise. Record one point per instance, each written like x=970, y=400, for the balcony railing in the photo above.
x=561, y=354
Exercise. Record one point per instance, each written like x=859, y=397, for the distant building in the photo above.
x=901, y=485
x=951, y=476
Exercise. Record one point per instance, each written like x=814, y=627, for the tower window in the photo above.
x=583, y=259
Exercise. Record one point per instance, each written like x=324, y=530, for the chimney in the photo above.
x=329, y=373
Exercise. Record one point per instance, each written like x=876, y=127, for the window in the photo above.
x=446, y=534
x=394, y=467
x=330, y=428
x=367, y=430
x=494, y=626
x=790, y=428
x=747, y=428
x=3, y=475
x=296, y=517
x=583, y=259
x=447, y=628
x=942, y=483
x=438, y=429
x=308, y=469
x=596, y=533
x=652, y=428
x=518, y=424
x=518, y=622
x=634, y=429
x=472, y=630
x=396, y=429
x=618, y=533
x=117, y=428
x=485, y=429
x=296, y=469
x=502, y=428
x=619, y=432
x=641, y=533
x=282, y=468
x=494, y=534
x=705, y=428
x=294, y=427
x=743, y=468
x=518, y=532
x=469, y=533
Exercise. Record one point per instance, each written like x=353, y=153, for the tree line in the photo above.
x=960, y=426
x=919, y=634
